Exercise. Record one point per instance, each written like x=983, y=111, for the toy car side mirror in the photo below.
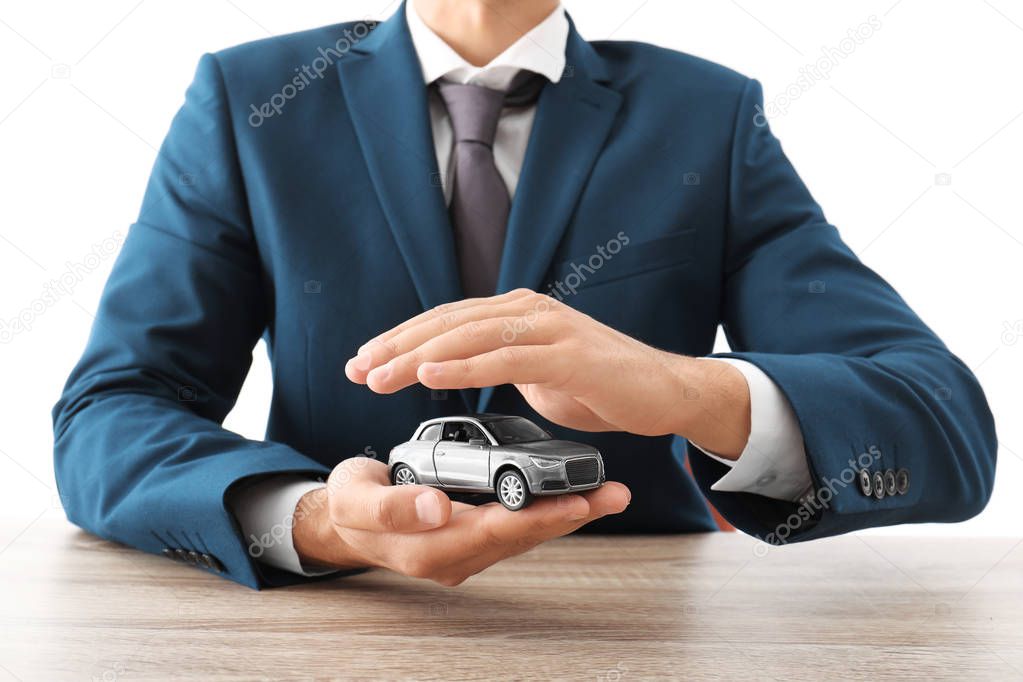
x=479, y=442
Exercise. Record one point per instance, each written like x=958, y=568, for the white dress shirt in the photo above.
x=773, y=463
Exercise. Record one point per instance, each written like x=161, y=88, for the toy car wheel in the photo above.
x=403, y=475
x=512, y=490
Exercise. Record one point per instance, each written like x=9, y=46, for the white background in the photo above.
x=913, y=146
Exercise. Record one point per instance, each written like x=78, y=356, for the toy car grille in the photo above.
x=582, y=471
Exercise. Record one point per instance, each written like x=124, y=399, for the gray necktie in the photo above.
x=479, y=201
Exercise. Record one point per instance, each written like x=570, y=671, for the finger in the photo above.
x=557, y=516
x=363, y=498
x=433, y=313
x=428, y=325
x=507, y=365
x=470, y=339
x=491, y=532
x=460, y=507
x=478, y=531
x=611, y=498
x=449, y=307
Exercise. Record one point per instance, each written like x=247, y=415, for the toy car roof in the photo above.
x=480, y=417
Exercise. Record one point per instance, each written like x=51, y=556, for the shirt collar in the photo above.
x=541, y=50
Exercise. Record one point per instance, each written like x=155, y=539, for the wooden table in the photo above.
x=599, y=608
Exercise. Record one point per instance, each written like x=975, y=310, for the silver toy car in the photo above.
x=509, y=456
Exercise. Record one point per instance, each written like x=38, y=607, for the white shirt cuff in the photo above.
x=266, y=512
x=773, y=464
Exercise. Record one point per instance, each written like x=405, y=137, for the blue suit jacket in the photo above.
x=322, y=224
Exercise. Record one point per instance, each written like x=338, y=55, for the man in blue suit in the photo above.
x=470, y=208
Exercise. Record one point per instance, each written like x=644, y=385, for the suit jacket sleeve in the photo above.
x=140, y=454
x=871, y=386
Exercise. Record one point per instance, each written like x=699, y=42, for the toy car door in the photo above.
x=459, y=462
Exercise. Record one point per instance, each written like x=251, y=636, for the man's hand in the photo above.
x=361, y=520
x=571, y=369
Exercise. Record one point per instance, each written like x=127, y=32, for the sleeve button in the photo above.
x=889, y=482
x=902, y=481
x=879, y=492
x=866, y=486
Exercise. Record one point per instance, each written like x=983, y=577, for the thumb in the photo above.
x=364, y=499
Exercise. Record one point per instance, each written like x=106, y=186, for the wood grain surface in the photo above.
x=713, y=606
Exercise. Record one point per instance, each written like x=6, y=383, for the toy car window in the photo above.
x=461, y=432
x=517, y=430
x=452, y=429
x=431, y=432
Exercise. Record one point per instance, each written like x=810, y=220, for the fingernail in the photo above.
x=362, y=361
x=428, y=509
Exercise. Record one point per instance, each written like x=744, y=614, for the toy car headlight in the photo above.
x=545, y=462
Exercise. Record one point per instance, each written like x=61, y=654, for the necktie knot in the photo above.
x=474, y=110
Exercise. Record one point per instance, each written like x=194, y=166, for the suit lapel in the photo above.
x=383, y=87
x=382, y=83
x=573, y=119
